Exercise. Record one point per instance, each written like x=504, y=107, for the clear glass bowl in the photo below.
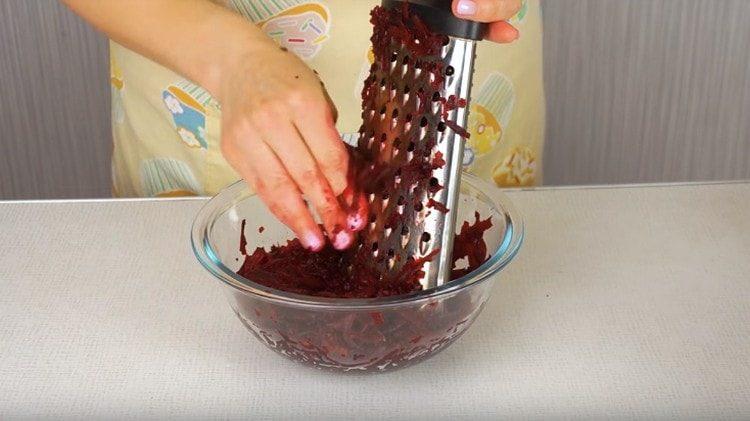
x=376, y=334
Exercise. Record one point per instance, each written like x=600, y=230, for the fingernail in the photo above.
x=466, y=8
x=355, y=221
x=313, y=242
x=342, y=240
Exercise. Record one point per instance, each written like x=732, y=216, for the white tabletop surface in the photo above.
x=624, y=302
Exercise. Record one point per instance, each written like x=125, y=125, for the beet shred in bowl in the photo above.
x=357, y=334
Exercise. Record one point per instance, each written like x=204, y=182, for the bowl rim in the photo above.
x=226, y=198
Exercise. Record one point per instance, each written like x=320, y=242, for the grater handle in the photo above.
x=438, y=15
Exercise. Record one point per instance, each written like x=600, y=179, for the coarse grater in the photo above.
x=414, y=110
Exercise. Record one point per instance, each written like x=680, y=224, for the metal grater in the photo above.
x=401, y=141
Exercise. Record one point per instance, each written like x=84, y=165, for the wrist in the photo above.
x=244, y=48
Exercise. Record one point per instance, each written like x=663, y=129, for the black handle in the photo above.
x=438, y=16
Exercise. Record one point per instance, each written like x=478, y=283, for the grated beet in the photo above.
x=348, y=274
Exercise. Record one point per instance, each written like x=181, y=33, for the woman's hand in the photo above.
x=494, y=12
x=278, y=132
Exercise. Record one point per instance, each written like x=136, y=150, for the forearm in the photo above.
x=195, y=38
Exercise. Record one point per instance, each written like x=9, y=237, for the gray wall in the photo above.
x=54, y=103
x=647, y=90
x=637, y=90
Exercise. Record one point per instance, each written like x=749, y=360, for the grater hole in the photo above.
x=404, y=231
x=382, y=110
x=400, y=201
x=382, y=82
x=383, y=137
x=418, y=207
x=423, y=247
x=408, y=118
x=436, y=96
x=423, y=122
x=405, y=61
x=391, y=253
x=418, y=64
x=394, y=56
x=441, y=127
x=427, y=153
x=425, y=238
x=394, y=114
x=434, y=182
x=449, y=71
x=374, y=246
x=404, y=240
x=446, y=41
x=411, y=147
x=373, y=218
x=407, y=89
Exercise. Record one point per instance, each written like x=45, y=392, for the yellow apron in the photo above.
x=166, y=129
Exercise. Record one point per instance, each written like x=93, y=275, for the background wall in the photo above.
x=647, y=90
x=54, y=103
x=637, y=91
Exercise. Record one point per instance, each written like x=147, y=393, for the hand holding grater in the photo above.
x=415, y=106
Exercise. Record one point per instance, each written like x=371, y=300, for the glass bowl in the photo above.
x=371, y=335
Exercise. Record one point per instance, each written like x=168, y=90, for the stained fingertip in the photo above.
x=356, y=222
x=313, y=241
x=502, y=32
x=342, y=239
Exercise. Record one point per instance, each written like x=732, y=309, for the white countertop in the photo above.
x=627, y=302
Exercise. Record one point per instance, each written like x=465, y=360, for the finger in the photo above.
x=317, y=126
x=486, y=10
x=286, y=142
x=356, y=207
x=358, y=218
x=502, y=32
x=334, y=110
x=266, y=175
